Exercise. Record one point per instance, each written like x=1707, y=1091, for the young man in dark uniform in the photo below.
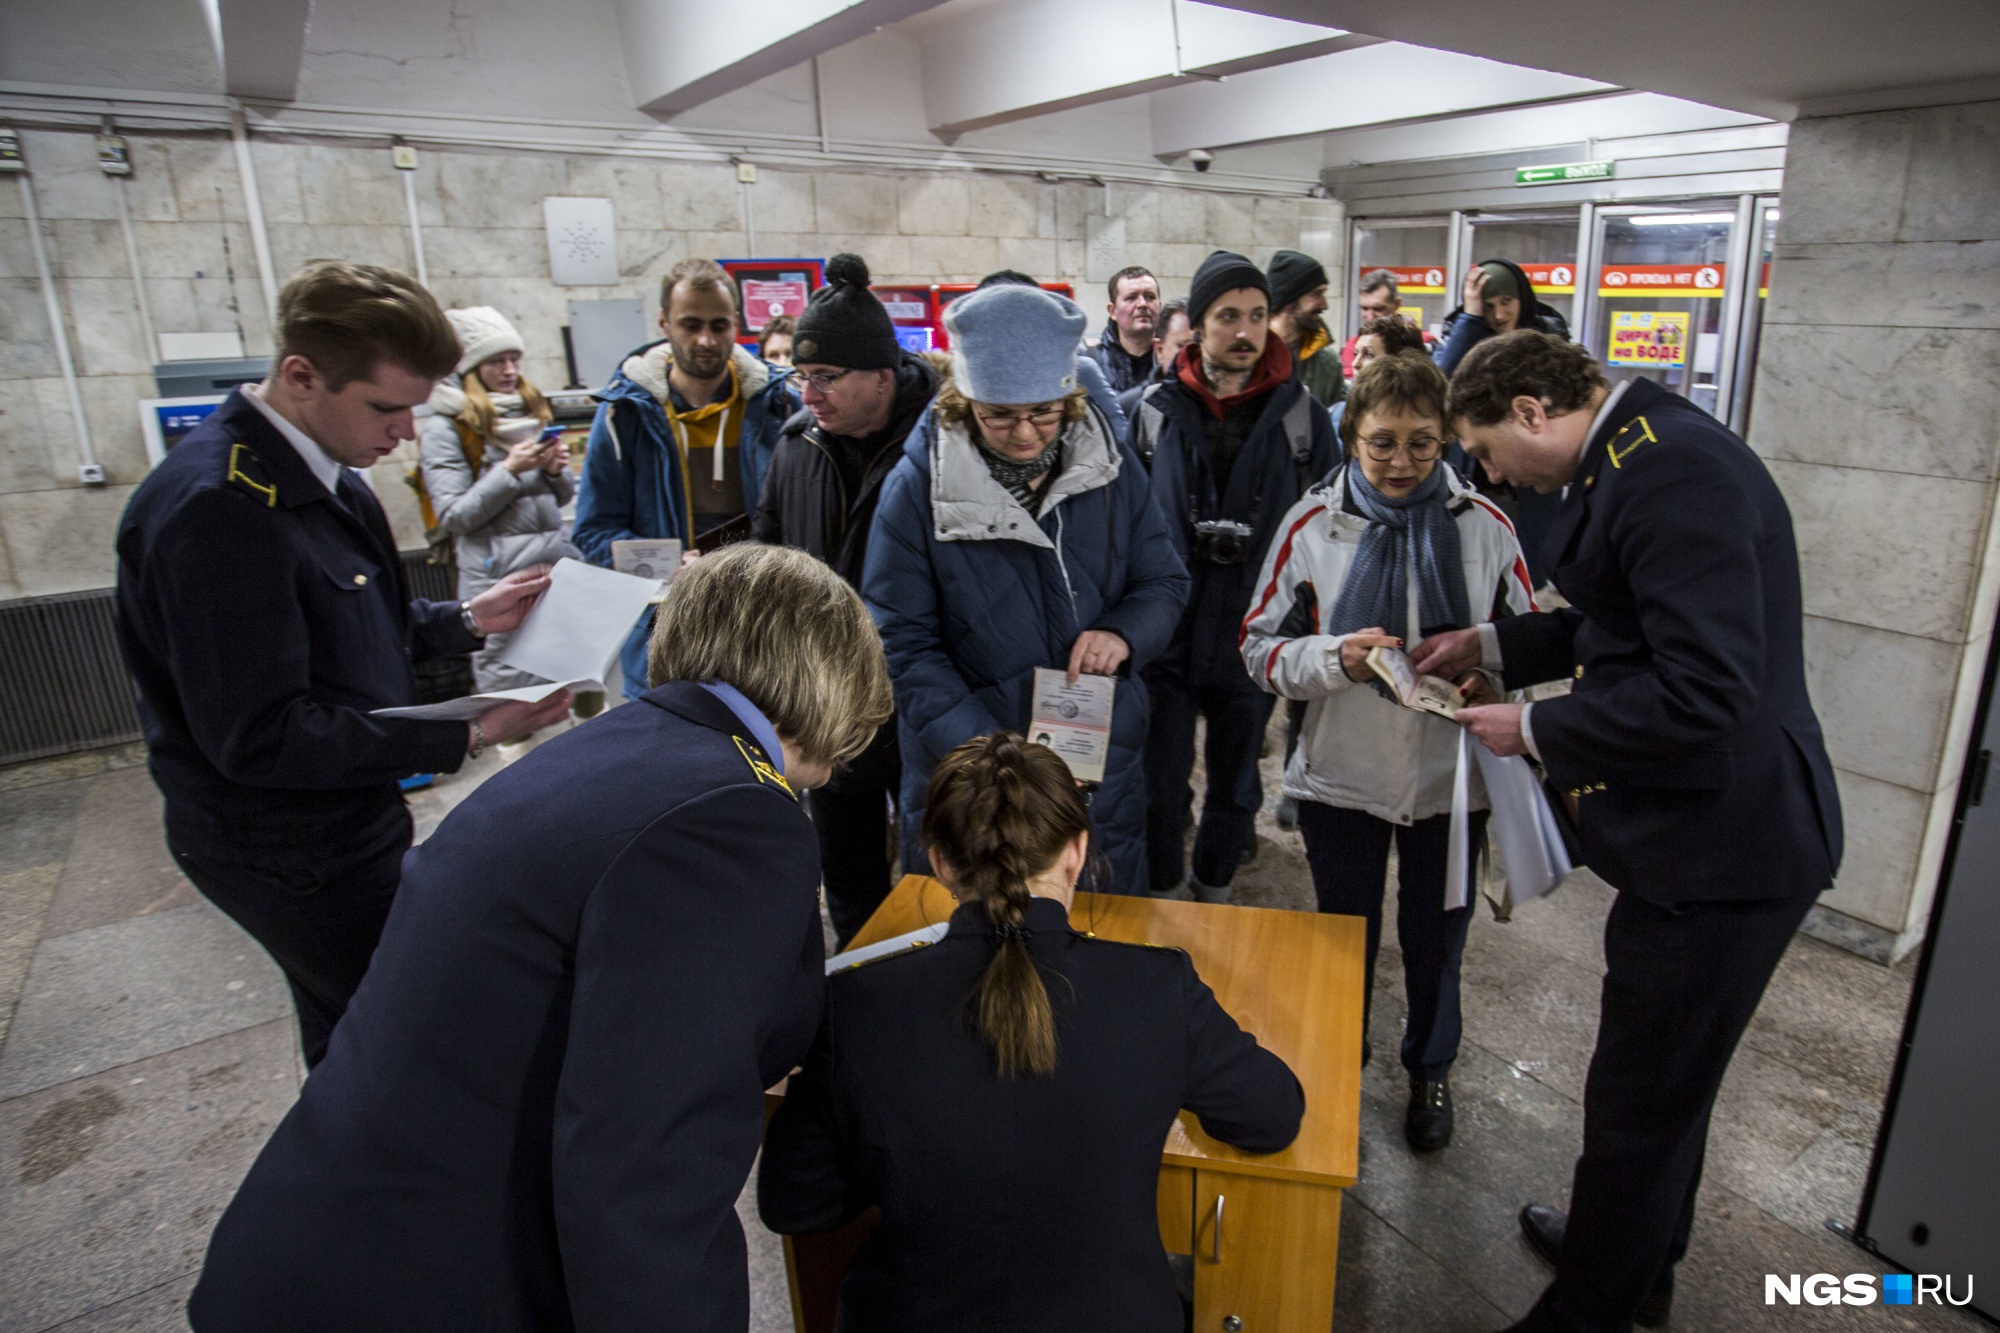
x=542, y=1106
x=263, y=613
x=1690, y=750
x=863, y=395
x=1234, y=440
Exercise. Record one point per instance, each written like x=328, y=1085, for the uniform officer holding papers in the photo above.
x=1694, y=762
x=263, y=613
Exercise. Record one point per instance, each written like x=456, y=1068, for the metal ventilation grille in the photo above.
x=63, y=685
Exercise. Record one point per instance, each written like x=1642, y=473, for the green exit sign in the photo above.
x=1559, y=172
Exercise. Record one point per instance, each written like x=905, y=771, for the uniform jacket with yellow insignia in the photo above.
x=1689, y=732
x=263, y=618
x=543, y=1102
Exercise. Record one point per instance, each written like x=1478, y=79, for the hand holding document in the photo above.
x=1074, y=720
x=1426, y=694
x=569, y=637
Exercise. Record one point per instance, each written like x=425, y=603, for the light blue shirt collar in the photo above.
x=752, y=718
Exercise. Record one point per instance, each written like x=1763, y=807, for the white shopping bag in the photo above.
x=1530, y=842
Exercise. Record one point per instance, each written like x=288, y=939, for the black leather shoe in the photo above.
x=1544, y=1227
x=1427, y=1124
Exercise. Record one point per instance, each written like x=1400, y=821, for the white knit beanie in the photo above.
x=483, y=332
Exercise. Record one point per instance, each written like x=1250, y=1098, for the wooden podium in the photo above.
x=1264, y=1232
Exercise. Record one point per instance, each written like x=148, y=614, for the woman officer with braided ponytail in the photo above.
x=1003, y=1095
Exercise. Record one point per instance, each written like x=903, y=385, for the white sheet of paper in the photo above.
x=573, y=632
x=882, y=948
x=1074, y=720
x=466, y=708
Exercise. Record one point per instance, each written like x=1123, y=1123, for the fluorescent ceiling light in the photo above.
x=1770, y=215
x=1679, y=219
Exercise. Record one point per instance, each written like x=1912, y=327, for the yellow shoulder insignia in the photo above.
x=761, y=766
x=239, y=452
x=1645, y=435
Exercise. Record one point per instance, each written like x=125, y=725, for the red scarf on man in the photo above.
x=1273, y=368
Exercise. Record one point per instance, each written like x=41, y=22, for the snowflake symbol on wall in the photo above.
x=582, y=242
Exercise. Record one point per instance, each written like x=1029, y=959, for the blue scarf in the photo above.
x=1416, y=532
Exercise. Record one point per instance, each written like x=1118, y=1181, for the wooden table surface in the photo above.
x=1294, y=979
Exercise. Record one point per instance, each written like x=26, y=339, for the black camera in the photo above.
x=1221, y=541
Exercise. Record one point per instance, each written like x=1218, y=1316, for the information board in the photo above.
x=1657, y=338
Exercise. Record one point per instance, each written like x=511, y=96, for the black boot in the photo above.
x=1544, y=1227
x=1427, y=1124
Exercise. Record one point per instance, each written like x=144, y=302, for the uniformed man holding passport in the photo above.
x=263, y=613
x=1690, y=754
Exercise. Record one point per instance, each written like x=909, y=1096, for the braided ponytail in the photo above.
x=1001, y=811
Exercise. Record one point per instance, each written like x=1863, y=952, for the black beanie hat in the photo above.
x=1293, y=274
x=1223, y=271
x=844, y=324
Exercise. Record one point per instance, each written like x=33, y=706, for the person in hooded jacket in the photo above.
x=1019, y=533
x=495, y=484
x=1497, y=298
x=1234, y=440
x=863, y=395
x=683, y=434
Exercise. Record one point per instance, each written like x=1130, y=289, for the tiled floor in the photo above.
x=146, y=1051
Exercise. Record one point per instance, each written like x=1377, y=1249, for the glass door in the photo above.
x=1663, y=271
x=1542, y=243
x=1417, y=252
x=1765, y=225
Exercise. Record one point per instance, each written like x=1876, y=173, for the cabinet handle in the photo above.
x=1217, y=1256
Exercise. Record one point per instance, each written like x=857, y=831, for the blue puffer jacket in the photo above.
x=972, y=593
x=634, y=482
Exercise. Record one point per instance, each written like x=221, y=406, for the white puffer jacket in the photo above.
x=1358, y=750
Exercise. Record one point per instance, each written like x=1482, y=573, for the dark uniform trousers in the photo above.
x=853, y=816
x=1705, y=797
x=319, y=919
x=1230, y=754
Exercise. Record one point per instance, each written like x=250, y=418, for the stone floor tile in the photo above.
x=1387, y=1282
x=1531, y=1007
x=103, y=997
x=1568, y=922
x=1766, y=1116
x=69, y=767
x=160, y=1310
x=118, y=864
x=37, y=823
x=1835, y=1015
x=1823, y=1182
x=112, y=1183
x=24, y=904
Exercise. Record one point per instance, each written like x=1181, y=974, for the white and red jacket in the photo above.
x=1358, y=750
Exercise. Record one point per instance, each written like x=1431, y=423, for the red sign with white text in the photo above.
x=1424, y=281
x=1688, y=280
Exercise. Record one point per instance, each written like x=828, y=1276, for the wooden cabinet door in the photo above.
x=1264, y=1254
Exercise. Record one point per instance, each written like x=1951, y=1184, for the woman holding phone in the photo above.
x=496, y=473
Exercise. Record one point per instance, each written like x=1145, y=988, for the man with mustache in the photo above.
x=1235, y=440
x=684, y=433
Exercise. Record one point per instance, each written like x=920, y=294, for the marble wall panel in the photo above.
x=1232, y=222
x=17, y=250
x=700, y=199
x=149, y=190
x=60, y=540
x=206, y=186
x=1884, y=834
x=1883, y=699
x=1009, y=206
x=1031, y=255
x=644, y=256
x=784, y=203
x=1176, y=262
x=933, y=206
x=111, y=404
x=350, y=187
x=633, y=187
x=1949, y=197
x=10, y=586
x=26, y=348
x=25, y=463
x=497, y=252
x=1139, y=208
x=784, y=244
x=1889, y=400
x=105, y=337
x=725, y=244
x=1183, y=216
x=282, y=169
x=954, y=258
x=67, y=180
x=1075, y=205
x=1276, y=222
x=86, y=248
x=1923, y=285
x=180, y=249
x=497, y=190
x=854, y=205
x=1887, y=549
x=888, y=256
x=292, y=245
x=1845, y=178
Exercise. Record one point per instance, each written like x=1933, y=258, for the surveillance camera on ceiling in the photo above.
x=1202, y=159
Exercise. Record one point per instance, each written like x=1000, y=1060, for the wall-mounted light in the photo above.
x=1679, y=219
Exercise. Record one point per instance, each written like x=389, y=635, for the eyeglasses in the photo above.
x=1384, y=448
x=824, y=380
x=1001, y=423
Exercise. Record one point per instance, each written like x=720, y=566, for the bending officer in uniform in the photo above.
x=1694, y=762
x=544, y=1100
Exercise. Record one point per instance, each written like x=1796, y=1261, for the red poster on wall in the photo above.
x=1687, y=280
x=1427, y=280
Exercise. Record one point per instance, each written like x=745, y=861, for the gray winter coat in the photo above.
x=501, y=522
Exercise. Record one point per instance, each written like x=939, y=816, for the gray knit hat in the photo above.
x=844, y=324
x=1012, y=344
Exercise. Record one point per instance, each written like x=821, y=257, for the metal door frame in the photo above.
x=1349, y=325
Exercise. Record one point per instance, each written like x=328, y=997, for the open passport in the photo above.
x=1426, y=694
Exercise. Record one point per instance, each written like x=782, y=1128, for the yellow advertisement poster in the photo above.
x=1656, y=338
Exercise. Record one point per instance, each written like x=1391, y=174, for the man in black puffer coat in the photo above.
x=863, y=395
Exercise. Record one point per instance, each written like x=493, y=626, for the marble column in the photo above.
x=1878, y=409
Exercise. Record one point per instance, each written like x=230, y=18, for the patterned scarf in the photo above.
x=1416, y=532
x=1018, y=477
